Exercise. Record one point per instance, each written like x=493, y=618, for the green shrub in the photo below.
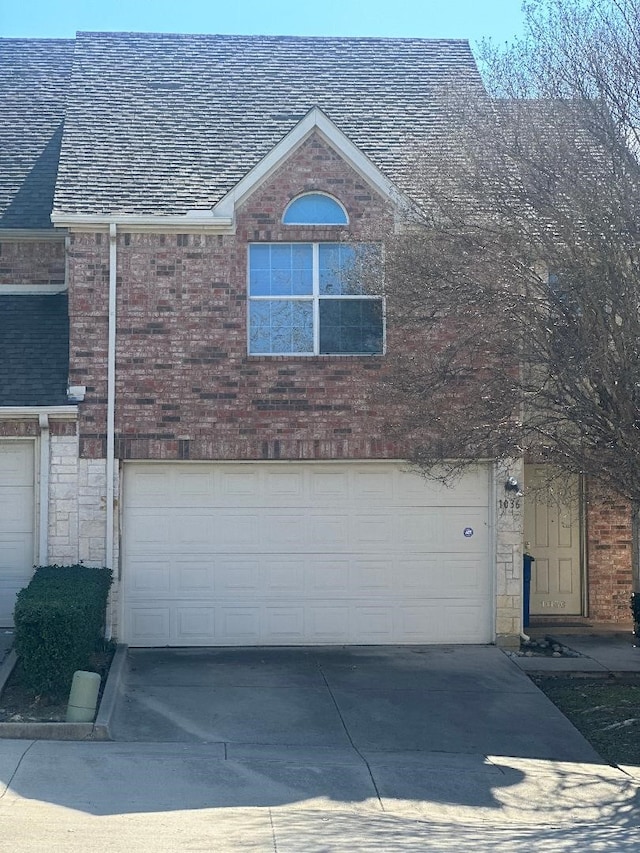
x=635, y=610
x=59, y=622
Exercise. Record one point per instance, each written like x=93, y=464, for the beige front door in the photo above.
x=552, y=537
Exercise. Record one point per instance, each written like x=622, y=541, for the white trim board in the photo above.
x=31, y=289
x=28, y=412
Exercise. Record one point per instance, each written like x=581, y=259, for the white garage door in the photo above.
x=16, y=523
x=295, y=553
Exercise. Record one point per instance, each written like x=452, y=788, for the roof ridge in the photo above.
x=270, y=37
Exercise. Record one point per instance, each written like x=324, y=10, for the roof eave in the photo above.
x=199, y=220
x=25, y=412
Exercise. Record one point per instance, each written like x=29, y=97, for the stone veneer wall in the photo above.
x=509, y=532
x=609, y=555
x=77, y=511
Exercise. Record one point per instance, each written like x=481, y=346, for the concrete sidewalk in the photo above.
x=603, y=653
x=66, y=797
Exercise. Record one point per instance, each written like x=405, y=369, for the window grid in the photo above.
x=315, y=298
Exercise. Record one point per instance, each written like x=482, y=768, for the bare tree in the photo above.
x=514, y=289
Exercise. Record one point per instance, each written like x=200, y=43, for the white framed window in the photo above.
x=315, y=209
x=312, y=299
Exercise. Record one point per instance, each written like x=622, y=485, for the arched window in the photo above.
x=315, y=209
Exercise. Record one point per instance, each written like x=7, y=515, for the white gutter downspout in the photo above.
x=111, y=409
x=43, y=497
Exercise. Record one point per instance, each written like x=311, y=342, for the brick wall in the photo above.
x=28, y=428
x=609, y=555
x=186, y=388
x=32, y=262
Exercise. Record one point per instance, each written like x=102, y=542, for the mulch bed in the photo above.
x=21, y=704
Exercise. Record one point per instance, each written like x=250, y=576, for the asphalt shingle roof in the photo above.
x=168, y=123
x=34, y=350
x=34, y=81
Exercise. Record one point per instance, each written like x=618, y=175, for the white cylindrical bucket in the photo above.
x=83, y=697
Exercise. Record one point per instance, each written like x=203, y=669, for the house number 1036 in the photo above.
x=509, y=503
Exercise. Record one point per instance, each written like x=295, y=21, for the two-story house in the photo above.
x=187, y=350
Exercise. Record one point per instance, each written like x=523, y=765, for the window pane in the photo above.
x=280, y=269
x=351, y=326
x=314, y=209
x=280, y=326
x=348, y=269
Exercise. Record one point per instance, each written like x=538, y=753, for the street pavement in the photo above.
x=315, y=750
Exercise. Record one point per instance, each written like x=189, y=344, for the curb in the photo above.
x=98, y=730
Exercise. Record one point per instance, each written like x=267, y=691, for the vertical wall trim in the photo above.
x=43, y=514
x=111, y=405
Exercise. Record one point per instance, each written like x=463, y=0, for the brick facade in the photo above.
x=28, y=428
x=186, y=388
x=609, y=555
x=32, y=262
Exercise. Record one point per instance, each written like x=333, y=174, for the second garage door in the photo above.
x=16, y=523
x=303, y=553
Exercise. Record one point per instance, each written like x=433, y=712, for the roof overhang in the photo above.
x=25, y=234
x=197, y=220
x=33, y=412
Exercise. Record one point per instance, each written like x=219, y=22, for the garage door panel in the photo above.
x=372, y=576
x=16, y=522
x=431, y=619
x=194, y=624
x=193, y=486
x=16, y=509
x=327, y=487
x=469, y=490
x=17, y=464
x=299, y=553
x=192, y=530
x=328, y=623
x=195, y=577
x=282, y=529
x=236, y=575
x=327, y=575
x=373, y=624
x=236, y=530
x=150, y=487
x=238, y=625
x=286, y=487
x=149, y=626
x=459, y=576
x=328, y=531
x=285, y=624
x=374, y=487
x=150, y=531
x=284, y=576
x=16, y=554
x=150, y=576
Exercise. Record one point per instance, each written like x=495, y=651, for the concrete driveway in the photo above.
x=439, y=749
x=445, y=699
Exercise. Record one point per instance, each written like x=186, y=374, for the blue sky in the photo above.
x=472, y=19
